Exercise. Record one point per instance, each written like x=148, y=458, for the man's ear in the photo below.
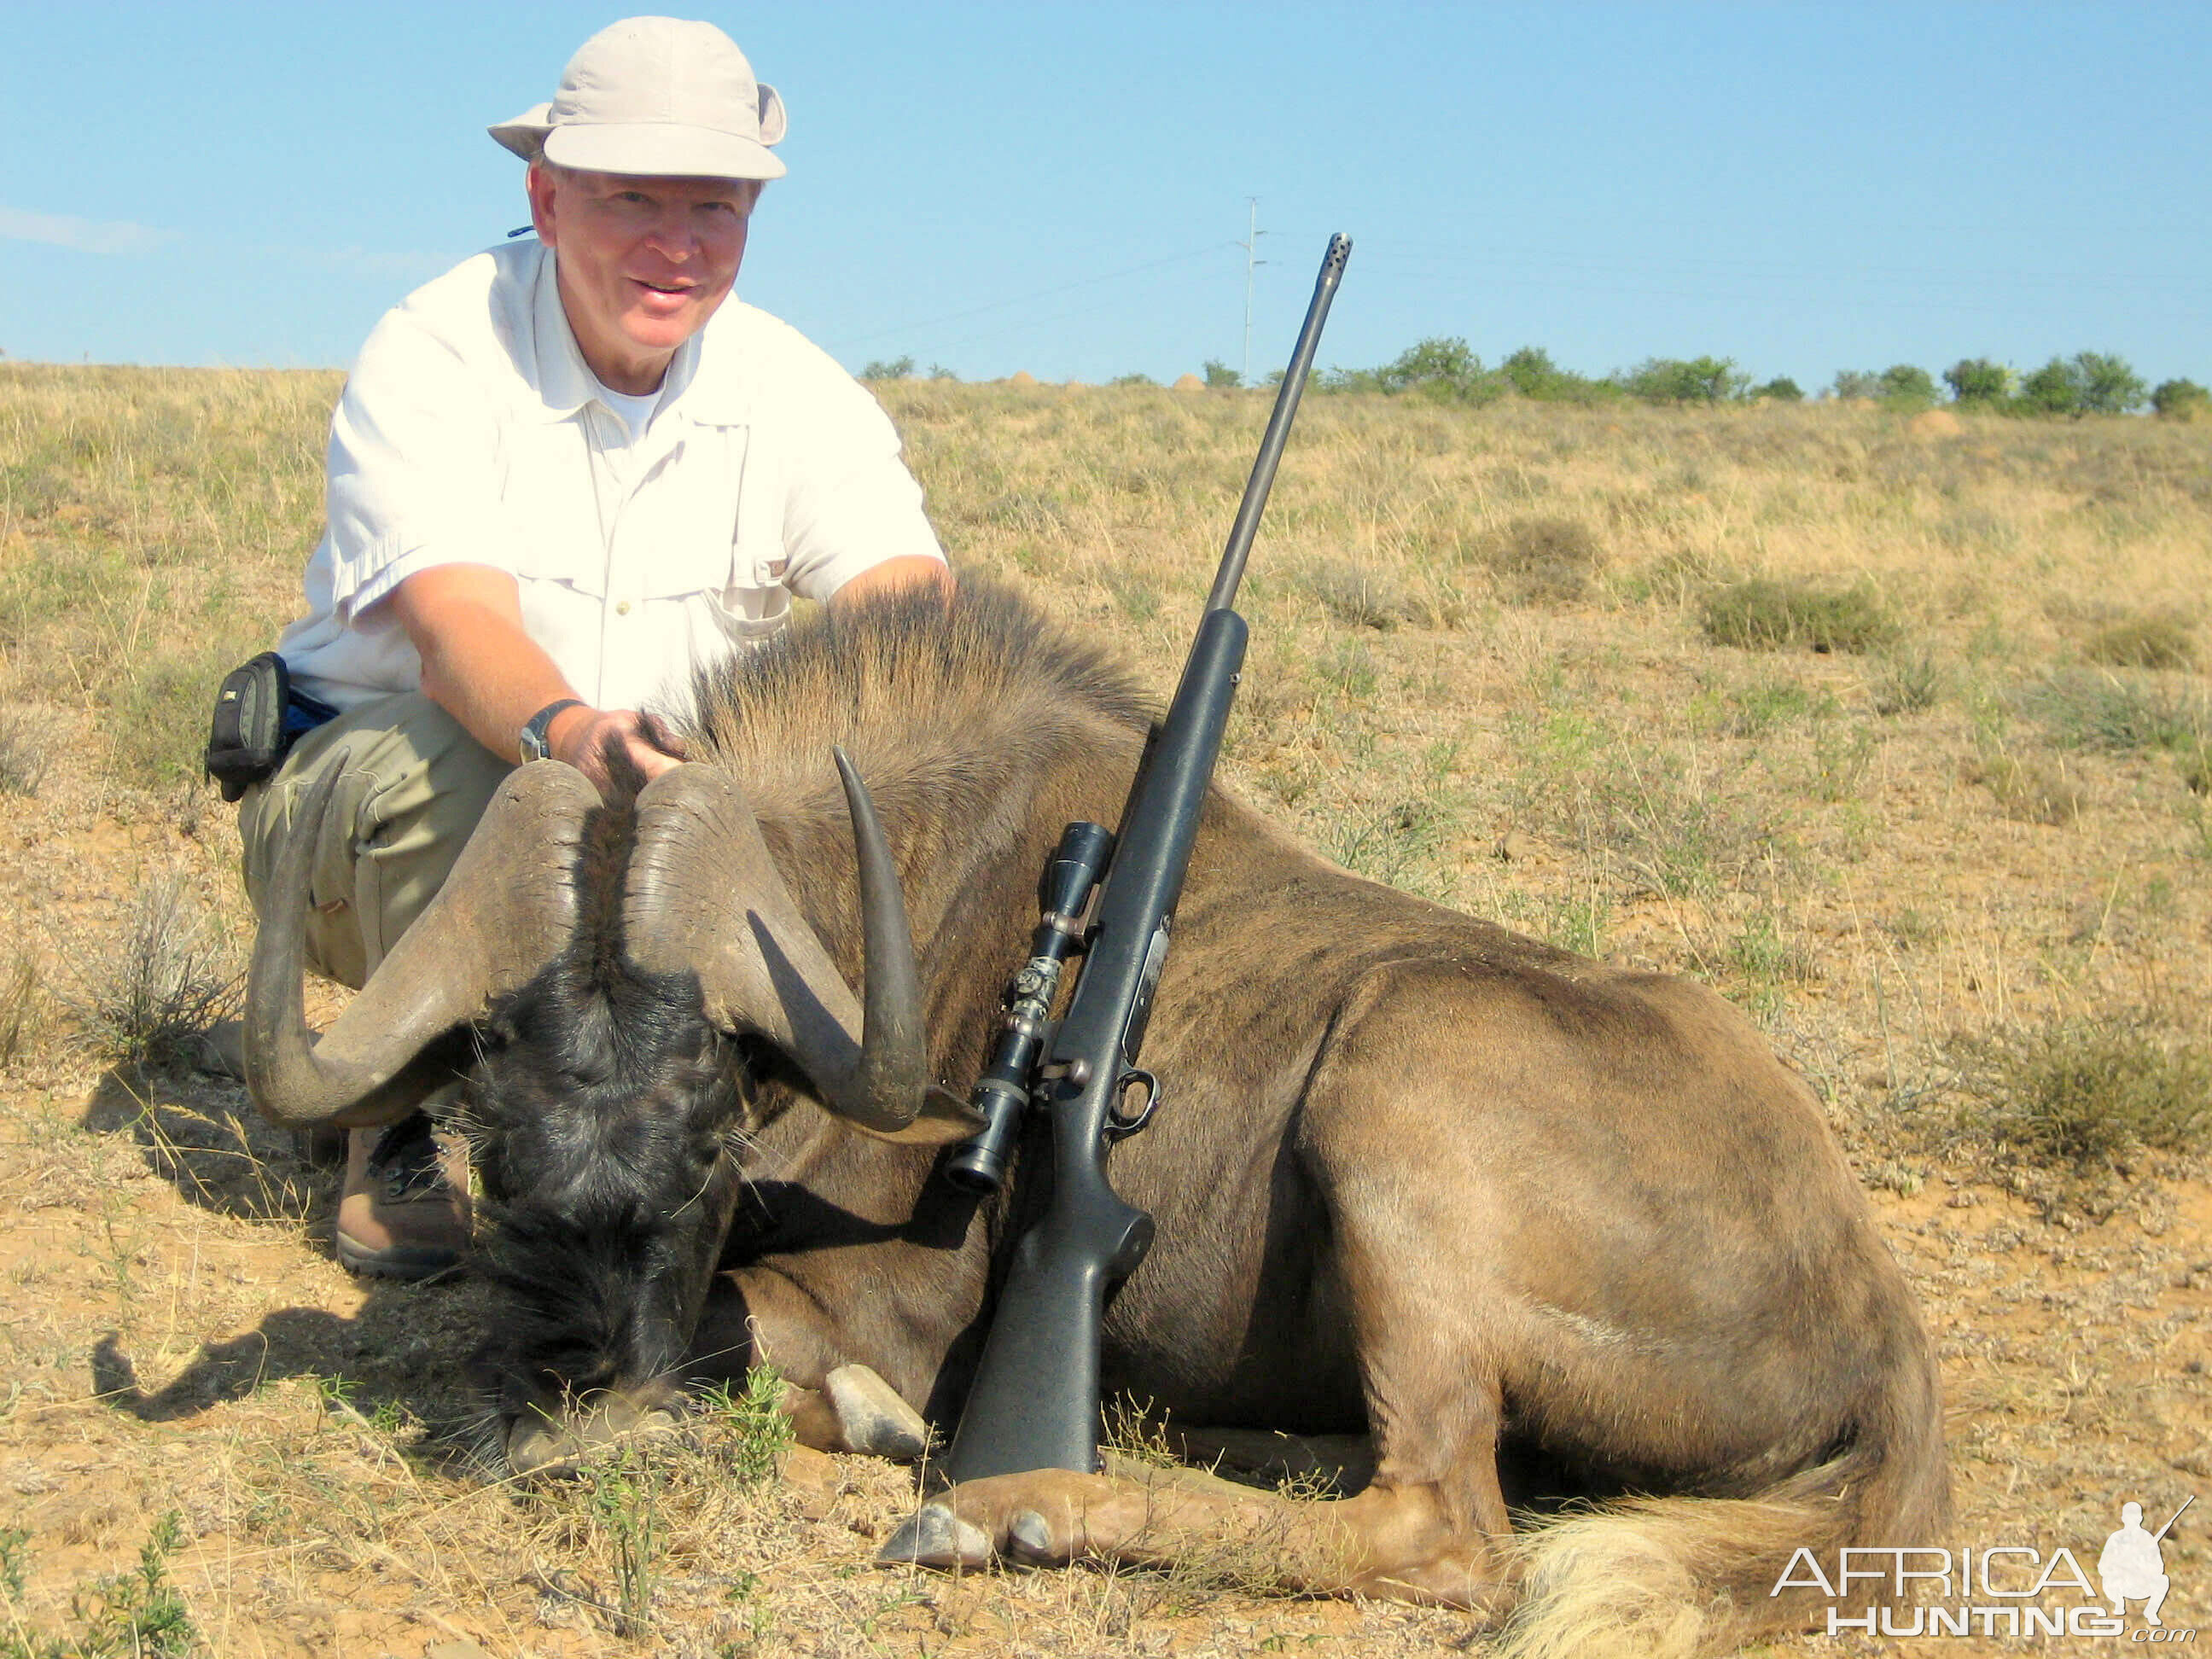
x=543, y=187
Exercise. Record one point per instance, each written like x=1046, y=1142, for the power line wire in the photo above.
x=1024, y=299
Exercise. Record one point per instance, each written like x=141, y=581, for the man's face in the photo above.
x=644, y=262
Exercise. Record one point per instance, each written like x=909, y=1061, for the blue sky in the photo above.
x=1059, y=189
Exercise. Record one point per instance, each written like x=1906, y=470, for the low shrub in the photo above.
x=1360, y=594
x=151, y=1000
x=1542, y=558
x=2029, y=790
x=2084, y=1092
x=1906, y=682
x=25, y=756
x=2156, y=640
x=1766, y=613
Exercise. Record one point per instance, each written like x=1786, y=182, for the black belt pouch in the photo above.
x=258, y=715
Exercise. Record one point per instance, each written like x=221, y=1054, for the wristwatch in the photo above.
x=534, y=744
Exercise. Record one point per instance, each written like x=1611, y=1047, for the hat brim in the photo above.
x=657, y=150
x=526, y=132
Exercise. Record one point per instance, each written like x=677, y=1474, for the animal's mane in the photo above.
x=911, y=677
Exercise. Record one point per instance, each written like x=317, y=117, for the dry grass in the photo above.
x=1480, y=670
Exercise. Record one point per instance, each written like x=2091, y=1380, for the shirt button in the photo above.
x=621, y=608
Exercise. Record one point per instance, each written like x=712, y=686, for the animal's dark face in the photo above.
x=605, y=1112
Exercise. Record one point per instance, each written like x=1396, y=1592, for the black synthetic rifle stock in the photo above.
x=1034, y=1403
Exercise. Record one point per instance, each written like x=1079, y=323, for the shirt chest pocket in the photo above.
x=616, y=529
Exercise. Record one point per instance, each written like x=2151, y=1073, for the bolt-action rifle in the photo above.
x=1034, y=1404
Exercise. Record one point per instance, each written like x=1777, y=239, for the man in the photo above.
x=2130, y=1566
x=562, y=477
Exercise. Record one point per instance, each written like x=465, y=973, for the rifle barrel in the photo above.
x=1278, y=427
x=2170, y=1519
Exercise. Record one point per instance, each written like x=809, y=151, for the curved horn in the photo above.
x=506, y=909
x=705, y=896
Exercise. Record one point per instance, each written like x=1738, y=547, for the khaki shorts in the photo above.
x=414, y=786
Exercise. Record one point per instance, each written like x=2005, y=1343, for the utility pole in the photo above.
x=1250, y=244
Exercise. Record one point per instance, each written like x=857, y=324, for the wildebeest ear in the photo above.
x=943, y=1119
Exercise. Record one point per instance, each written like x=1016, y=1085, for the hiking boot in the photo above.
x=403, y=1212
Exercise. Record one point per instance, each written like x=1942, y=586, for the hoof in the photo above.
x=1029, y=1539
x=933, y=1536
x=872, y=1418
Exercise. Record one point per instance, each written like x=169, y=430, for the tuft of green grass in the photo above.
x=26, y=754
x=137, y=1614
x=2194, y=764
x=2029, y=790
x=1907, y=681
x=1397, y=846
x=2114, y=714
x=624, y=1503
x=2083, y=1093
x=1766, y=963
x=1760, y=708
x=756, y=1431
x=1840, y=764
x=2158, y=641
x=22, y=1006
x=1766, y=613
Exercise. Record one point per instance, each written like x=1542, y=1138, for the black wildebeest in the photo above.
x=1530, y=1223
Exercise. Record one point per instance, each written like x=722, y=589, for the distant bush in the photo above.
x=1221, y=377
x=1132, y=379
x=1683, y=381
x=1851, y=383
x=1531, y=373
x=2049, y=391
x=1768, y=614
x=2108, y=385
x=1781, y=390
x=2181, y=400
x=890, y=368
x=1978, y=380
x=1905, y=386
x=2088, y=383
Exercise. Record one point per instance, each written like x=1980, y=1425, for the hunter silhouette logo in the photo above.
x=2132, y=1568
x=1997, y=1589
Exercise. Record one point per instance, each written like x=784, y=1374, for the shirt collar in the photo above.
x=701, y=385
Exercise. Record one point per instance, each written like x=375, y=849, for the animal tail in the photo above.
x=1683, y=1578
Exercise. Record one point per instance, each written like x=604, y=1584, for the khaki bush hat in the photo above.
x=655, y=96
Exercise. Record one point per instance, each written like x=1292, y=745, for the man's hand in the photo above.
x=466, y=623
x=581, y=736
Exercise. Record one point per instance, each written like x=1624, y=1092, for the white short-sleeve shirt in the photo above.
x=472, y=432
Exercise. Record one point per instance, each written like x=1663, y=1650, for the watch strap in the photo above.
x=537, y=729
